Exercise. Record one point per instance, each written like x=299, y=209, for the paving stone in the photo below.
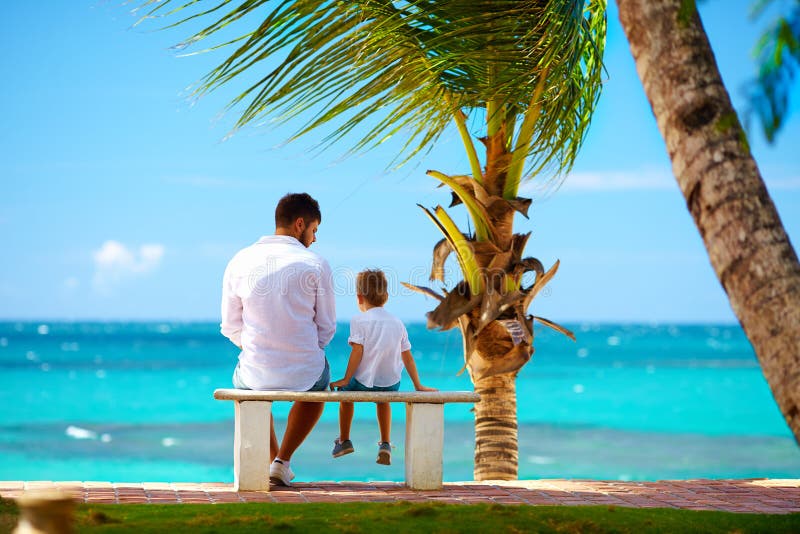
x=156, y=486
x=759, y=495
x=321, y=498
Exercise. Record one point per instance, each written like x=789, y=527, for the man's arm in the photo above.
x=325, y=307
x=231, y=311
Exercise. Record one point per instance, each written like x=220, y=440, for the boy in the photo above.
x=380, y=349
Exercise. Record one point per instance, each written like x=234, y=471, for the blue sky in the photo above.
x=121, y=201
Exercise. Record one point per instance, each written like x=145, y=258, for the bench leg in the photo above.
x=424, y=444
x=251, y=446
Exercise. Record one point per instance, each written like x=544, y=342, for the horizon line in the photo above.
x=409, y=321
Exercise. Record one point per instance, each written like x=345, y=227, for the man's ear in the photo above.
x=300, y=225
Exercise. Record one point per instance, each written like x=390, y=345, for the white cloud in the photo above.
x=647, y=179
x=114, y=262
x=583, y=181
x=151, y=255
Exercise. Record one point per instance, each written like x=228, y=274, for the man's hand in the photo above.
x=425, y=388
x=338, y=384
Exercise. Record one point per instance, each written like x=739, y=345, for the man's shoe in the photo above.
x=384, y=453
x=280, y=474
x=340, y=448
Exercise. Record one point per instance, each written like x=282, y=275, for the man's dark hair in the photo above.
x=296, y=205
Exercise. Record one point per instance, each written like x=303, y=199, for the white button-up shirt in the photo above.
x=383, y=337
x=278, y=306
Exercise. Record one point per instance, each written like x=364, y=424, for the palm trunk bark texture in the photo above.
x=496, y=448
x=728, y=200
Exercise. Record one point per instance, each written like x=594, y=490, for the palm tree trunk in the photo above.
x=742, y=232
x=496, y=428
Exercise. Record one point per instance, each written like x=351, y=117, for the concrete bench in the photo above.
x=424, y=430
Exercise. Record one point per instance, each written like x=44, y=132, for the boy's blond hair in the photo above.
x=371, y=284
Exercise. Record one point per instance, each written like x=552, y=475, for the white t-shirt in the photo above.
x=383, y=337
x=278, y=305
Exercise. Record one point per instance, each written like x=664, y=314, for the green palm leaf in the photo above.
x=372, y=69
x=484, y=229
x=459, y=244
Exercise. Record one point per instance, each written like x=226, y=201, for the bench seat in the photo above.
x=424, y=430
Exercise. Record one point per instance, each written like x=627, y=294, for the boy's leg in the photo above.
x=302, y=418
x=345, y=420
x=384, y=410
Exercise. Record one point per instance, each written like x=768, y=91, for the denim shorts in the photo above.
x=355, y=385
x=320, y=385
x=324, y=379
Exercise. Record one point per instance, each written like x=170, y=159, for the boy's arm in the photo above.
x=411, y=367
x=356, y=353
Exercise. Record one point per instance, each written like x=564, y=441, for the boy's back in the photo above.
x=380, y=351
x=383, y=337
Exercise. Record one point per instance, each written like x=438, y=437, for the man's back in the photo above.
x=278, y=306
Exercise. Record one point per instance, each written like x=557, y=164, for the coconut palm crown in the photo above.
x=526, y=74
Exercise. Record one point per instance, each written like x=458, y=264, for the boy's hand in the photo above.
x=425, y=388
x=338, y=384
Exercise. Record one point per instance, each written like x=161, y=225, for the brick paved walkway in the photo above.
x=752, y=495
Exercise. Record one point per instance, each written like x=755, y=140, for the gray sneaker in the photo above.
x=384, y=453
x=340, y=448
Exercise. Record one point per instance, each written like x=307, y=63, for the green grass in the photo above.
x=406, y=517
x=8, y=515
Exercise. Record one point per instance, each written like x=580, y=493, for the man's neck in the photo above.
x=286, y=232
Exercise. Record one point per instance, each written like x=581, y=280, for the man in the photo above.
x=278, y=308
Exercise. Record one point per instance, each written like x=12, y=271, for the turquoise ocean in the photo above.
x=132, y=402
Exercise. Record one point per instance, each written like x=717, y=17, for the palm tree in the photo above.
x=778, y=58
x=742, y=232
x=526, y=74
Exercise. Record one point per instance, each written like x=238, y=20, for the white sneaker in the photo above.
x=280, y=474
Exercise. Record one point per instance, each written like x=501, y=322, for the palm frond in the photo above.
x=424, y=290
x=484, y=229
x=459, y=244
x=539, y=283
x=441, y=251
x=474, y=162
x=555, y=326
x=371, y=69
x=572, y=43
x=452, y=309
x=778, y=59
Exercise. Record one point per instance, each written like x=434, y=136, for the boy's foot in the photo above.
x=340, y=448
x=384, y=453
x=280, y=474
